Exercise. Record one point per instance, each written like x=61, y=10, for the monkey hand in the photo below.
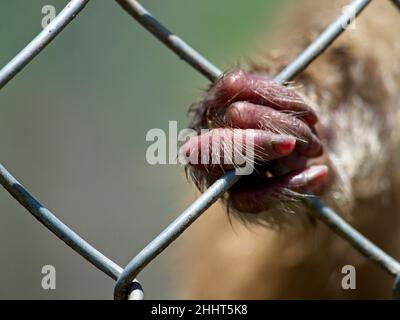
x=245, y=112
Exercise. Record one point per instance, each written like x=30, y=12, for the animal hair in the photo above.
x=355, y=90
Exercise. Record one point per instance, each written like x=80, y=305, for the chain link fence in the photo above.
x=127, y=287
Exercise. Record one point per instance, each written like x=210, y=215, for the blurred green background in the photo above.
x=73, y=126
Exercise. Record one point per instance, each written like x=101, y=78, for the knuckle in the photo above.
x=233, y=80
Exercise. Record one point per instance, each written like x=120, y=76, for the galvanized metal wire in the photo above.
x=328, y=216
x=355, y=238
x=27, y=54
x=319, y=45
x=126, y=286
x=62, y=231
x=48, y=219
x=172, y=41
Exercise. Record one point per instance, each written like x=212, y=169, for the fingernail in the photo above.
x=313, y=176
x=310, y=118
x=283, y=144
x=316, y=174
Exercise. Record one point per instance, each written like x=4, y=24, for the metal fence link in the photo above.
x=172, y=41
x=328, y=216
x=319, y=45
x=50, y=221
x=126, y=286
x=41, y=40
x=355, y=238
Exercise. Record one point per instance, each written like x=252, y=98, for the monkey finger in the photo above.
x=292, y=162
x=255, y=194
x=240, y=86
x=246, y=115
x=224, y=148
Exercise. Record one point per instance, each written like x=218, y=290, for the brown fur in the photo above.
x=356, y=86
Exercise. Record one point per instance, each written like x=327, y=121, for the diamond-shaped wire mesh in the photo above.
x=126, y=285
